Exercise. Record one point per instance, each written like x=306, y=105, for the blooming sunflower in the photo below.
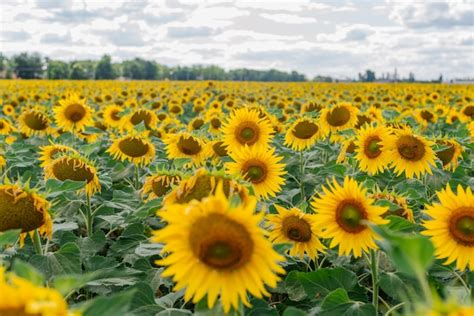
x=340, y=117
x=160, y=183
x=219, y=250
x=195, y=124
x=342, y=213
x=9, y=110
x=410, y=153
x=112, y=115
x=33, y=122
x=259, y=166
x=145, y=116
x=450, y=155
x=404, y=209
x=245, y=127
x=370, y=150
x=73, y=114
x=50, y=152
x=303, y=134
x=451, y=227
x=135, y=148
x=467, y=112
x=3, y=162
x=5, y=127
x=71, y=166
x=296, y=228
x=219, y=150
x=185, y=145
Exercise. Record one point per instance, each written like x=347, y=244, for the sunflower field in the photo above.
x=233, y=198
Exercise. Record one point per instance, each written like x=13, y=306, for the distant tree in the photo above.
x=104, y=69
x=411, y=77
x=57, y=70
x=150, y=69
x=3, y=62
x=82, y=70
x=28, y=66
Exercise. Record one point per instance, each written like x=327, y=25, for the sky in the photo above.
x=339, y=38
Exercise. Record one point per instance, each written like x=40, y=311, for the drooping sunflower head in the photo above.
x=404, y=209
x=185, y=145
x=343, y=212
x=348, y=147
x=371, y=153
x=50, y=152
x=451, y=227
x=450, y=154
x=219, y=150
x=340, y=117
x=73, y=114
x=33, y=122
x=303, y=134
x=219, y=241
x=145, y=116
x=135, y=148
x=160, y=183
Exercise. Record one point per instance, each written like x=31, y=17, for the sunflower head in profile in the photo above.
x=371, y=153
x=410, y=153
x=113, y=116
x=340, y=117
x=260, y=167
x=145, y=116
x=72, y=166
x=311, y=107
x=303, y=134
x=451, y=226
x=296, y=228
x=348, y=147
x=467, y=112
x=50, y=152
x=5, y=127
x=343, y=212
x=218, y=249
x=33, y=122
x=135, y=148
x=450, y=154
x=73, y=114
x=203, y=184
x=246, y=128
x=23, y=208
x=426, y=116
x=185, y=145
x=160, y=183
x=404, y=209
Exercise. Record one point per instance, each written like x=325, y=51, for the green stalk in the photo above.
x=89, y=218
x=137, y=178
x=375, y=279
x=37, y=242
x=303, y=195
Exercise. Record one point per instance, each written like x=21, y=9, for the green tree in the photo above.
x=28, y=66
x=57, y=70
x=82, y=70
x=104, y=69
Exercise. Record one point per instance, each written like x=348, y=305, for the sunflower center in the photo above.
x=141, y=116
x=216, y=123
x=220, y=149
x=189, y=146
x=446, y=155
x=36, y=121
x=202, y=188
x=469, y=111
x=338, y=116
x=247, y=133
x=305, y=130
x=461, y=226
x=198, y=123
x=410, y=148
x=220, y=242
x=296, y=229
x=75, y=112
x=2, y=125
x=255, y=171
x=133, y=147
x=349, y=216
x=72, y=169
x=160, y=187
x=372, y=147
x=175, y=109
x=19, y=213
x=426, y=115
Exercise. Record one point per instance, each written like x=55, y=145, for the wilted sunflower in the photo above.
x=33, y=122
x=185, y=145
x=296, y=228
x=5, y=127
x=303, y=134
x=135, y=148
x=259, y=166
x=450, y=155
x=410, y=153
x=371, y=153
x=160, y=183
x=71, y=166
x=451, y=227
x=50, y=152
x=245, y=127
x=73, y=114
x=340, y=117
x=219, y=250
x=343, y=212
x=113, y=117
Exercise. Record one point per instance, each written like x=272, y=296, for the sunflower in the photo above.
x=185, y=145
x=3, y=162
x=9, y=110
x=303, y=134
x=426, y=116
x=245, y=127
x=196, y=123
x=219, y=150
x=33, y=122
x=340, y=117
x=470, y=127
x=160, y=183
x=112, y=115
x=348, y=147
x=404, y=209
x=342, y=212
x=145, y=116
x=217, y=249
x=50, y=152
x=71, y=166
x=449, y=307
x=467, y=112
x=73, y=114
x=451, y=154
x=451, y=227
x=371, y=153
x=410, y=153
x=135, y=148
x=259, y=166
x=296, y=228
x=5, y=127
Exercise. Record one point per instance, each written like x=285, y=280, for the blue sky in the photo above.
x=338, y=38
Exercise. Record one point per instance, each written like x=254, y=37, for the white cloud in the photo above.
x=289, y=18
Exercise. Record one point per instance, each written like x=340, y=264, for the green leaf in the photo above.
x=65, y=261
x=27, y=271
x=351, y=309
x=9, y=237
x=335, y=298
x=293, y=311
x=400, y=224
x=174, y=312
x=56, y=187
x=260, y=307
x=118, y=304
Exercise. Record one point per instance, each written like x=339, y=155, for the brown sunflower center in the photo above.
x=349, y=216
x=18, y=213
x=175, y=109
x=216, y=123
x=410, y=148
x=296, y=229
x=338, y=116
x=189, y=146
x=141, y=116
x=36, y=121
x=255, y=171
x=247, y=133
x=305, y=130
x=2, y=125
x=202, y=188
x=197, y=123
x=75, y=112
x=220, y=242
x=446, y=155
x=133, y=147
x=72, y=169
x=160, y=187
x=469, y=111
x=372, y=147
x=220, y=149
x=461, y=226
x=427, y=115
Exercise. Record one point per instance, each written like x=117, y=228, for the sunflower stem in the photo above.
x=89, y=216
x=303, y=195
x=375, y=282
x=137, y=177
x=37, y=243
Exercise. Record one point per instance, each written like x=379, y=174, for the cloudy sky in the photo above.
x=335, y=37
